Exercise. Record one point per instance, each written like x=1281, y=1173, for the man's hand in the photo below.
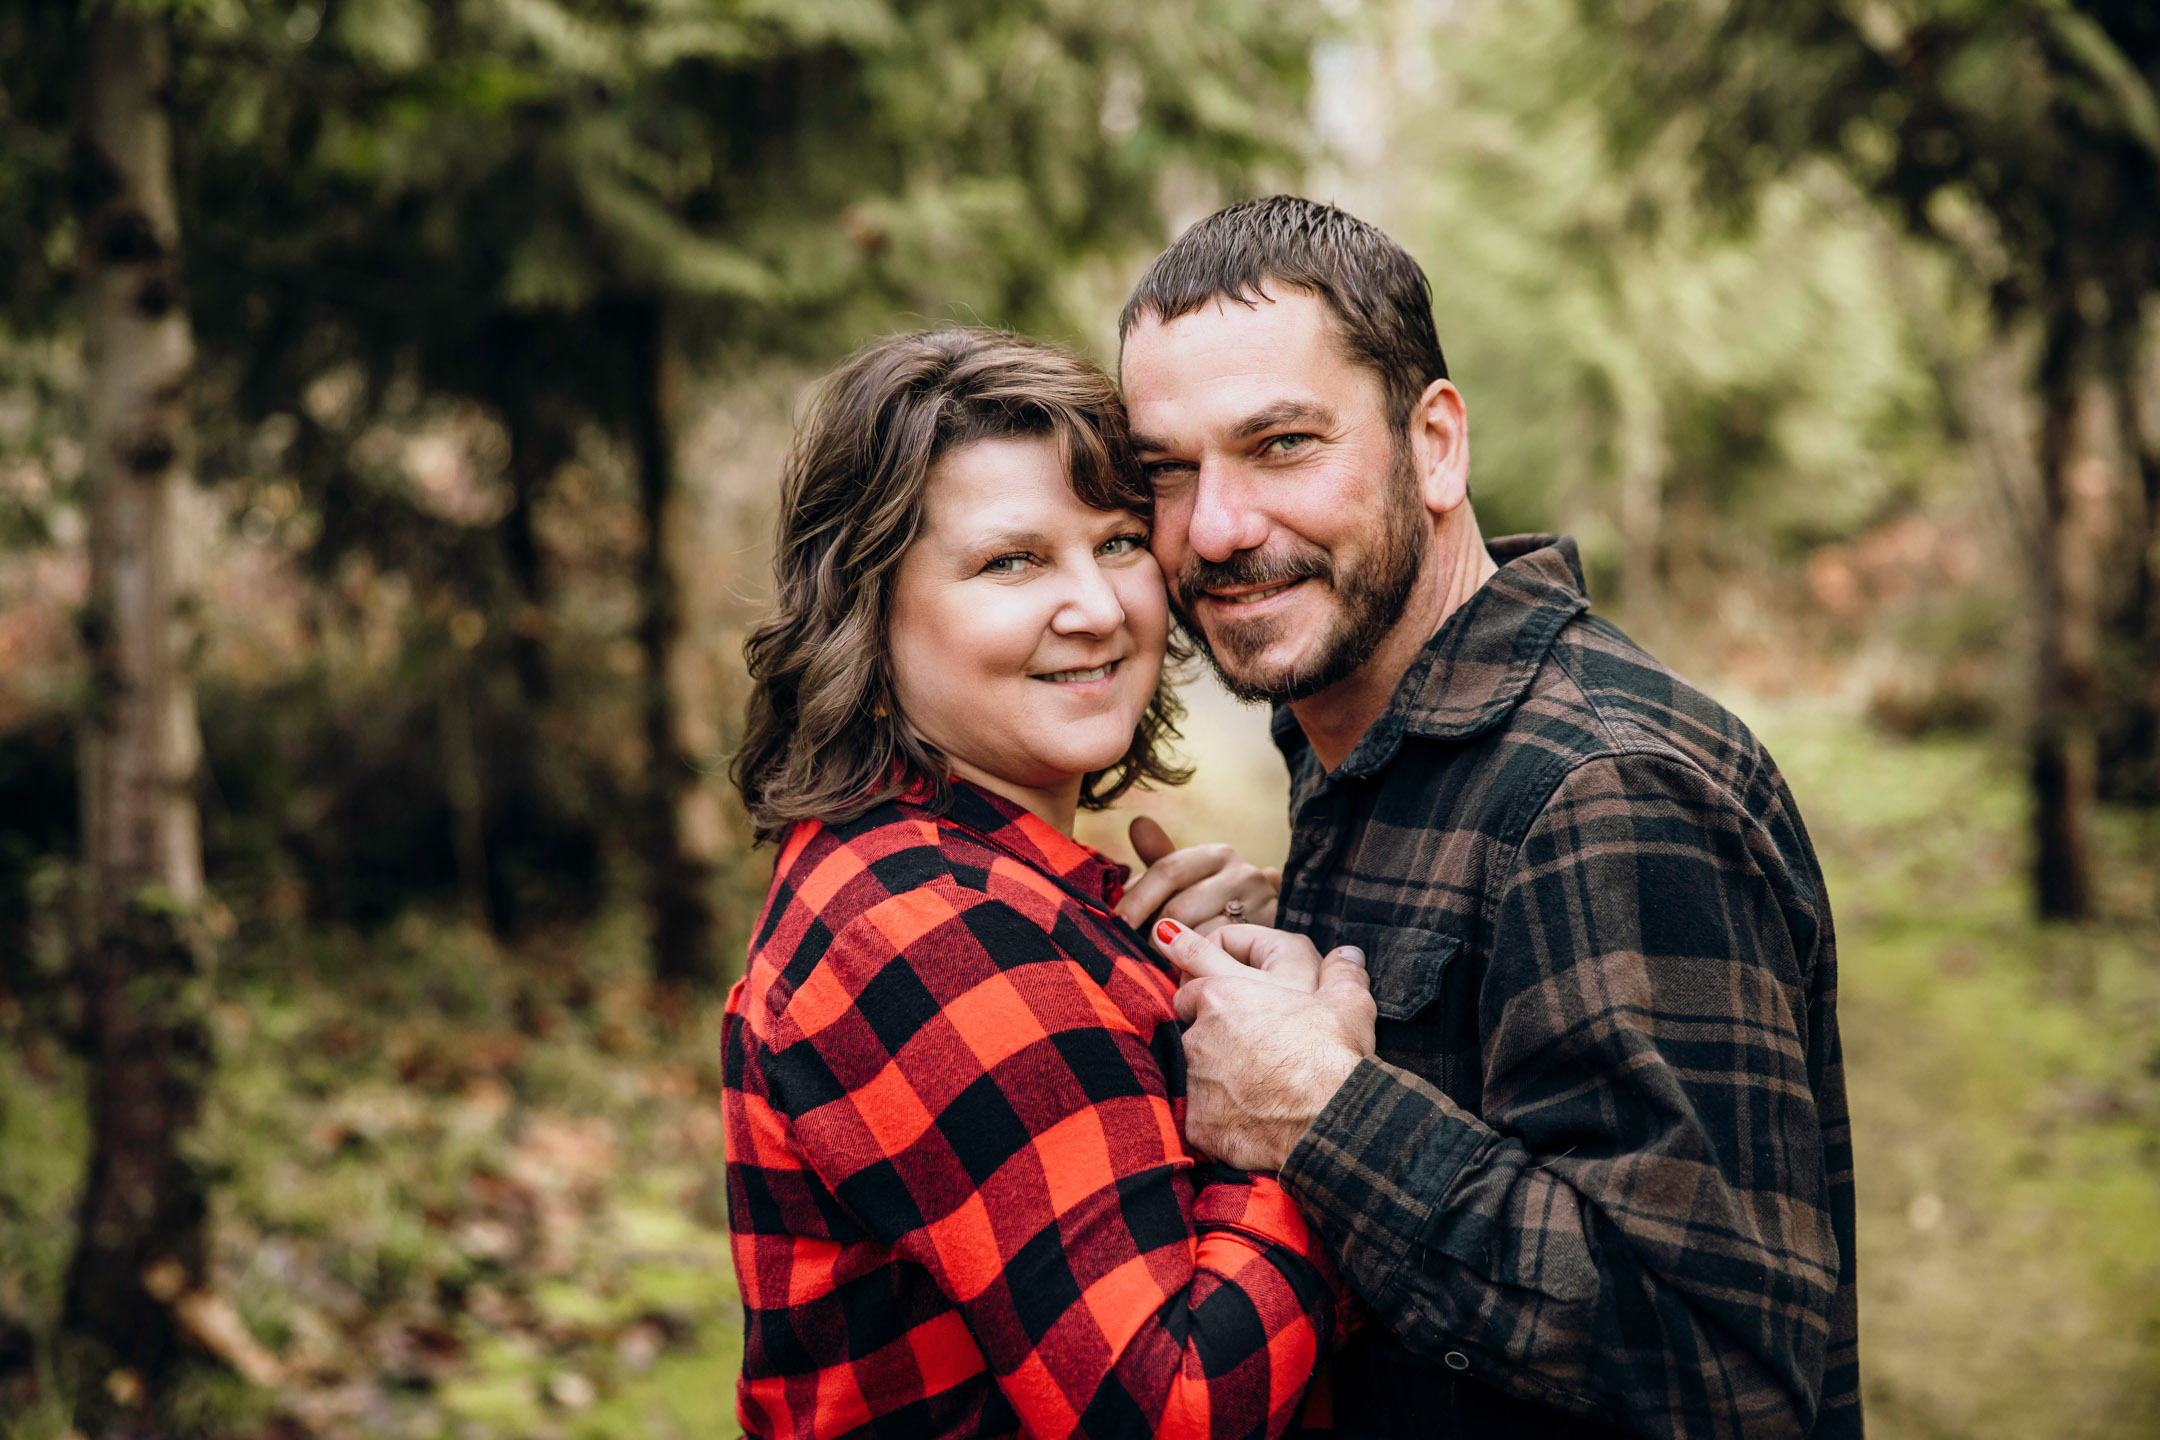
x=1193, y=885
x=1274, y=1030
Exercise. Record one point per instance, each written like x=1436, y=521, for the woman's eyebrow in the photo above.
x=1005, y=540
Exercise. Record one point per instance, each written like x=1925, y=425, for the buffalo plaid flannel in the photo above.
x=1600, y=1163
x=961, y=1200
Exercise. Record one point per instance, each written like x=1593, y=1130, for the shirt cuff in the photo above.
x=1372, y=1166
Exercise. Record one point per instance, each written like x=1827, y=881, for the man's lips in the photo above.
x=1247, y=597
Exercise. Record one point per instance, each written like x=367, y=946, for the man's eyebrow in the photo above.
x=1283, y=412
x=1267, y=417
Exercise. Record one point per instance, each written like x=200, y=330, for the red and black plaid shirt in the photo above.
x=961, y=1199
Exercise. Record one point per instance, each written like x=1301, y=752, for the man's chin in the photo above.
x=1262, y=676
x=1281, y=669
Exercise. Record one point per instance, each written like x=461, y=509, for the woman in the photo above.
x=961, y=1201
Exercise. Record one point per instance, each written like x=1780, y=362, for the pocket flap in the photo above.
x=1404, y=963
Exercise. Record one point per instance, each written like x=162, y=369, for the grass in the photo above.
x=478, y=1195
x=2005, y=1078
x=459, y=1192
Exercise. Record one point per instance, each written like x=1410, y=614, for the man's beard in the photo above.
x=1370, y=599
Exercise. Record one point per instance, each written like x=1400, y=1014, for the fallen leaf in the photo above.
x=571, y=1390
x=218, y=1328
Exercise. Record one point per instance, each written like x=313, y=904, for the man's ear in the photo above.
x=1440, y=447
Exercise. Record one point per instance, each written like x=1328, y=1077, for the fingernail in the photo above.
x=1356, y=954
x=1167, y=931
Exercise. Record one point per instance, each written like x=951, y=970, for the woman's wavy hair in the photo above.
x=825, y=737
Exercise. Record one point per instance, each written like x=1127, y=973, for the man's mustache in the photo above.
x=1248, y=568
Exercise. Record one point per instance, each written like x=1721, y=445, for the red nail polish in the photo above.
x=1166, y=931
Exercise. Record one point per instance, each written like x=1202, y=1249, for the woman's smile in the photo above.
x=1080, y=677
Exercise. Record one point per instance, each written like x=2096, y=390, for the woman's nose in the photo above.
x=1091, y=605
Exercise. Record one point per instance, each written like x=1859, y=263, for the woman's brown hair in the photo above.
x=826, y=739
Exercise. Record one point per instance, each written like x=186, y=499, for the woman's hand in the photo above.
x=1203, y=887
x=1245, y=951
x=1272, y=1031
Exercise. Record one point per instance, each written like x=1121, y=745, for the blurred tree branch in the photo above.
x=2021, y=136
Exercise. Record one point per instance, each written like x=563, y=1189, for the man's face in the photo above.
x=1287, y=515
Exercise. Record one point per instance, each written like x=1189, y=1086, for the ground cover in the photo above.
x=2006, y=1094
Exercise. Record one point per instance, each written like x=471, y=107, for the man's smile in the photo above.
x=1252, y=596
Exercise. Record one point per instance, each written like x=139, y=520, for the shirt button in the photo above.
x=1456, y=1360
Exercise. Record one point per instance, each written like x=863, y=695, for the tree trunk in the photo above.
x=538, y=447
x=463, y=786
x=141, y=1244
x=2130, y=760
x=685, y=929
x=2077, y=503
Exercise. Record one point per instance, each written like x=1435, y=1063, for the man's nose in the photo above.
x=1224, y=518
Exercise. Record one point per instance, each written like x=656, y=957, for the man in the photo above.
x=1592, y=1171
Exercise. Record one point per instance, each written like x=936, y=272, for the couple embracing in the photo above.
x=1516, y=1113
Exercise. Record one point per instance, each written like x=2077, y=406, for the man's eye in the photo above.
x=1286, y=444
x=1161, y=471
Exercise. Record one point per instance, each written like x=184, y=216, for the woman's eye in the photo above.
x=1124, y=544
x=1005, y=565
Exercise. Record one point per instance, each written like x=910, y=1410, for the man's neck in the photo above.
x=1338, y=717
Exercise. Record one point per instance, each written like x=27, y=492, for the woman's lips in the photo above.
x=1088, y=676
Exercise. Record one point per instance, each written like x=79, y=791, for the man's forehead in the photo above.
x=1231, y=360
x=1267, y=316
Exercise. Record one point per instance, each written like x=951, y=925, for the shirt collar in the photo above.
x=1037, y=841
x=1479, y=664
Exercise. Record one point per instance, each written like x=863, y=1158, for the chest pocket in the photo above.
x=1406, y=965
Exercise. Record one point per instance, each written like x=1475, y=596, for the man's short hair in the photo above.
x=1371, y=285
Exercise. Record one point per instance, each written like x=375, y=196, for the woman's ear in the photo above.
x=1440, y=447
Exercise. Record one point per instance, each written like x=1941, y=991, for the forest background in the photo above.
x=392, y=394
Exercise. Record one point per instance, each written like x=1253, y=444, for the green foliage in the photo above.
x=785, y=174
x=42, y=1133
x=2021, y=138
x=37, y=232
x=490, y=226
x=2018, y=133
x=1602, y=320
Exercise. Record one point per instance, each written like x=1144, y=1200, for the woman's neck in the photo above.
x=1055, y=806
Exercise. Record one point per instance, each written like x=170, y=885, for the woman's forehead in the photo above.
x=1008, y=485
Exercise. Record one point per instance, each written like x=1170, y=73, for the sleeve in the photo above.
x=983, y=1107
x=1637, y=1229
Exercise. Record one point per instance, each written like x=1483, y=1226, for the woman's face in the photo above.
x=1027, y=627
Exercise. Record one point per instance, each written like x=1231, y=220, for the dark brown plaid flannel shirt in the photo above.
x=961, y=1199
x=1601, y=1162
